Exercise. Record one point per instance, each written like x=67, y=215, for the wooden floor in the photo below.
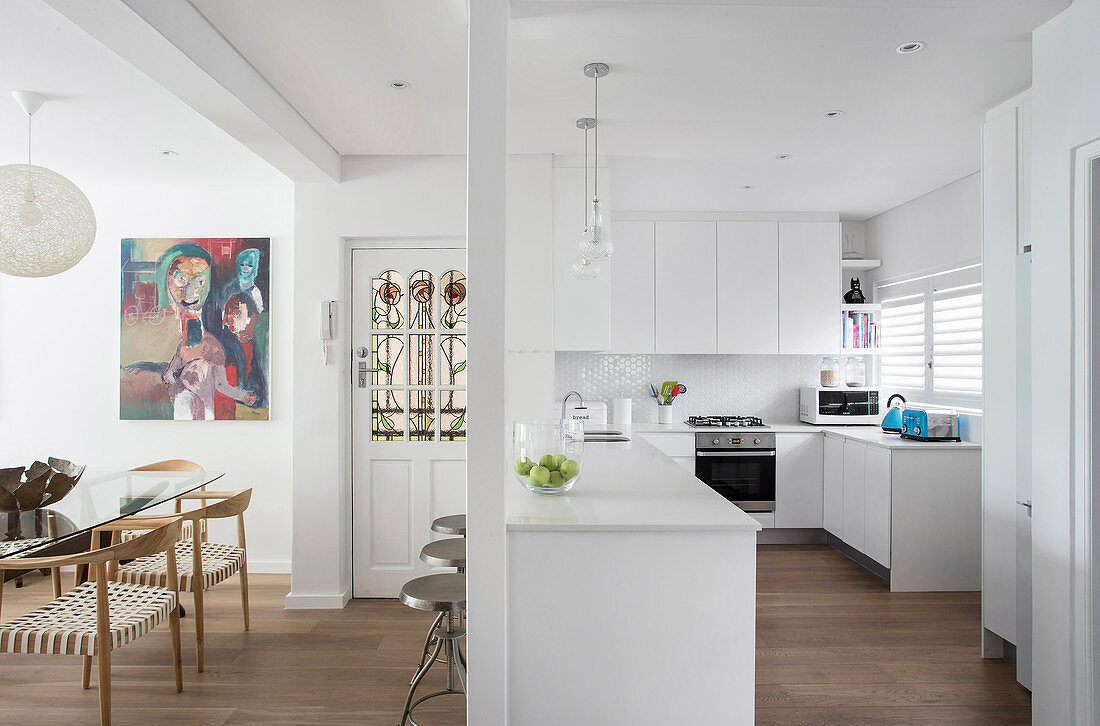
x=834, y=647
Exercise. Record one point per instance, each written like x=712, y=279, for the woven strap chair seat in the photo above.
x=67, y=626
x=19, y=544
x=219, y=563
x=186, y=530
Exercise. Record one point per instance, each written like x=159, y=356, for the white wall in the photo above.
x=59, y=361
x=380, y=197
x=1065, y=114
x=940, y=228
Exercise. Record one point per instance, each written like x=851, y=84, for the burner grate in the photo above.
x=732, y=422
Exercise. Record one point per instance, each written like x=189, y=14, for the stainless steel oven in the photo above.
x=739, y=465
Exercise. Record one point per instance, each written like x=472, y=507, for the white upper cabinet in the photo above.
x=748, y=287
x=632, y=291
x=809, y=293
x=582, y=308
x=686, y=287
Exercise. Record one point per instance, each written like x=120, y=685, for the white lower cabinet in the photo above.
x=855, y=482
x=688, y=462
x=833, y=475
x=798, y=480
x=876, y=508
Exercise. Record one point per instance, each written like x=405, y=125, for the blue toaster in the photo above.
x=929, y=424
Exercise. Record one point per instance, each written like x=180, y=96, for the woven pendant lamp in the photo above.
x=46, y=223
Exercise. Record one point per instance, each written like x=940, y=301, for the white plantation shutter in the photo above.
x=903, y=340
x=932, y=337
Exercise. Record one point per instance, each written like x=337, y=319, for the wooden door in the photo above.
x=748, y=287
x=408, y=408
x=809, y=287
x=686, y=287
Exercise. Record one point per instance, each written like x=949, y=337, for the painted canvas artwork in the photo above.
x=195, y=324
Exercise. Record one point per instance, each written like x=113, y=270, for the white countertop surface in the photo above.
x=627, y=486
x=872, y=435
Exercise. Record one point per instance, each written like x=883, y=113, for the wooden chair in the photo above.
x=177, y=465
x=97, y=617
x=213, y=562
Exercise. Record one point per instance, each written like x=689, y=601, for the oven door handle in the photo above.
x=735, y=453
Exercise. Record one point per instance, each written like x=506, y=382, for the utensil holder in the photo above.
x=664, y=414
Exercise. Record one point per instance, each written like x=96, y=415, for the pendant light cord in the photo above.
x=586, y=176
x=596, y=150
x=29, y=120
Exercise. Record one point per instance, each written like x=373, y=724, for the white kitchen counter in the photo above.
x=626, y=486
x=872, y=435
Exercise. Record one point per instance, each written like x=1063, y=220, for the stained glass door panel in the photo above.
x=409, y=416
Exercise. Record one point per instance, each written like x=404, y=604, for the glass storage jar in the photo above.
x=830, y=372
x=855, y=373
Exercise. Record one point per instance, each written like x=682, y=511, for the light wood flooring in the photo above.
x=834, y=647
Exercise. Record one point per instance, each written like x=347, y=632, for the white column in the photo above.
x=486, y=181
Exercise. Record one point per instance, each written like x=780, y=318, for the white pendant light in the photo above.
x=596, y=244
x=46, y=223
x=585, y=269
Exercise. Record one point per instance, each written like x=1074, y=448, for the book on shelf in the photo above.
x=859, y=331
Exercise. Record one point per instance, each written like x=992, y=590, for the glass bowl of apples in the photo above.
x=547, y=454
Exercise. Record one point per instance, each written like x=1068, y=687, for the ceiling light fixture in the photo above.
x=784, y=157
x=835, y=113
x=911, y=47
x=585, y=269
x=46, y=223
x=596, y=244
x=746, y=186
x=167, y=152
x=399, y=85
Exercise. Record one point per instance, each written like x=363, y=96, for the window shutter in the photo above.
x=903, y=339
x=957, y=342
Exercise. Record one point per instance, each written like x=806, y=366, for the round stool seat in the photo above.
x=450, y=552
x=436, y=593
x=451, y=524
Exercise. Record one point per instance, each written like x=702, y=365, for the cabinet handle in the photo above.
x=1024, y=503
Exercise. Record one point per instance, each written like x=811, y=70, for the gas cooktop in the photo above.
x=725, y=422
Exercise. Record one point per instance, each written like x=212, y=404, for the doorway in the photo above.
x=408, y=408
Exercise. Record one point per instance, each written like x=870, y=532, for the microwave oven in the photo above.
x=839, y=406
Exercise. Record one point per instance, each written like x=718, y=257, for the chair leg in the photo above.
x=55, y=575
x=416, y=681
x=86, y=676
x=104, y=665
x=200, y=626
x=177, y=661
x=244, y=591
x=427, y=644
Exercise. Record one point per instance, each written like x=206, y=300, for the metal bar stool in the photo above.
x=451, y=524
x=450, y=552
x=444, y=594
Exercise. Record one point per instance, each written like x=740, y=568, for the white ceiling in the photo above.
x=105, y=121
x=701, y=94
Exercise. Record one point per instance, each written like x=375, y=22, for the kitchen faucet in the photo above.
x=564, y=400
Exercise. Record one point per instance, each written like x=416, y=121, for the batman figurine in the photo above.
x=855, y=295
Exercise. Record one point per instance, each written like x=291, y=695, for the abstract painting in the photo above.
x=195, y=325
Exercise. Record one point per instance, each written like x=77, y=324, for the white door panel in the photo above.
x=748, y=288
x=686, y=287
x=833, y=504
x=855, y=496
x=408, y=420
x=809, y=289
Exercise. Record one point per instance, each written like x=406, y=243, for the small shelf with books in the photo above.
x=860, y=329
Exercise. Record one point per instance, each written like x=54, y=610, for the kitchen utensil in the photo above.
x=666, y=391
x=891, y=423
x=930, y=424
x=681, y=388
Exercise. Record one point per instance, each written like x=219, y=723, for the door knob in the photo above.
x=362, y=352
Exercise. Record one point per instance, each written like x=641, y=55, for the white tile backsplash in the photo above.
x=750, y=385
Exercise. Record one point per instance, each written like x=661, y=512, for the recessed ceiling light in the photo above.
x=784, y=157
x=834, y=113
x=746, y=186
x=399, y=85
x=911, y=47
x=167, y=152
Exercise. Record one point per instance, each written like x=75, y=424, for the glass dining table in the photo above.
x=98, y=498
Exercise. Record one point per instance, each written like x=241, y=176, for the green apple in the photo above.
x=569, y=468
x=539, y=476
x=548, y=461
x=556, y=479
x=524, y=466
x=558, y=459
